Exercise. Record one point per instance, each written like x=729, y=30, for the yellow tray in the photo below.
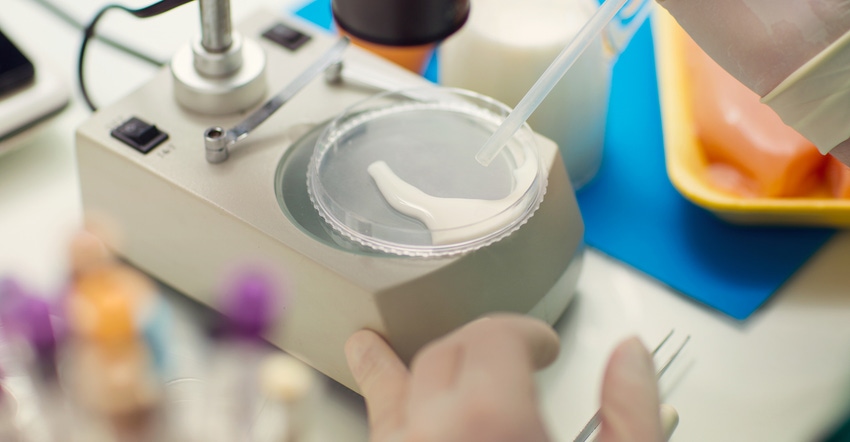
x=686, y=162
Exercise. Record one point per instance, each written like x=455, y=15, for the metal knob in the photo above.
x=220, y=73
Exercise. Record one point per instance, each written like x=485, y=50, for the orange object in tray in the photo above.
x=838, y=177
x=750, y=151
x=729, y=153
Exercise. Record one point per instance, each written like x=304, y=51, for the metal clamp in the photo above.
x=217, y=141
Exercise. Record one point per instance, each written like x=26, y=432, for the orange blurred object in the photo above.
x=105, y=303
x=730, y=179
x=87, y=251
x=838, y=177
x=114, y=380
x=751, y=152
x=412, y=58
x=111, y=365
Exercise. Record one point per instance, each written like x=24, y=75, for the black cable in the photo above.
x=148, y=11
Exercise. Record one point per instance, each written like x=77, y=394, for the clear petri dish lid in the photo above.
x=397, y=173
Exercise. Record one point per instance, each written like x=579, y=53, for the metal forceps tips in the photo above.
x=594, y=421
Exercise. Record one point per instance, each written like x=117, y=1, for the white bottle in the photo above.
x=507, y=44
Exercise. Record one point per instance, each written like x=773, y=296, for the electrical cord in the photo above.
x=146, y=12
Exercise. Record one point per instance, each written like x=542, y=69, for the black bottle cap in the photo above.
x=400, y=22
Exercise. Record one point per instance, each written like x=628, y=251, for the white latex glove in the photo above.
x=477, y=385
x=761, y=42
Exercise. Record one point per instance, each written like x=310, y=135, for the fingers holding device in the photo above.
x=477, y=384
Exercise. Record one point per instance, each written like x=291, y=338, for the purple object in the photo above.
x=26, y=314
x=13, y=298
x=34, y=316
x=38, y=329
x=251, y=303
x=29, y=317
x=9, y=285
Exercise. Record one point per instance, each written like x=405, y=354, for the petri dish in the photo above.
x=397, y=173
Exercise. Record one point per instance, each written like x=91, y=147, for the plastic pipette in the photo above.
x=548, y=80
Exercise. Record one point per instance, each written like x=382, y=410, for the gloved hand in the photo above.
x=763, y=42
x=477, y=385
x=630, y=403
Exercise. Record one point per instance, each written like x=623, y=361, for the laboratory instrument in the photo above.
x=188, y=215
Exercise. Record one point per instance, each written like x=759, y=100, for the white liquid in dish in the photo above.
x=454, y=220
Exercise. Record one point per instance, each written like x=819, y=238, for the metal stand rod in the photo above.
x=216, y=34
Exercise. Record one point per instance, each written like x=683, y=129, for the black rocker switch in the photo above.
x=139, y=135
x=286, y=36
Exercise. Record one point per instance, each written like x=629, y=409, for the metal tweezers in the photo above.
x=594, y=421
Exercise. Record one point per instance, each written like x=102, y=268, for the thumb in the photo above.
x=383, y=380
x=629, y=410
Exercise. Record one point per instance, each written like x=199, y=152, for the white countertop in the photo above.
x=781, y=375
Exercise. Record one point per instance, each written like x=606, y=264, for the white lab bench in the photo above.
x=781, y=375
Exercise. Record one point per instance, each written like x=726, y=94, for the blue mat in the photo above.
x=634, y=214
